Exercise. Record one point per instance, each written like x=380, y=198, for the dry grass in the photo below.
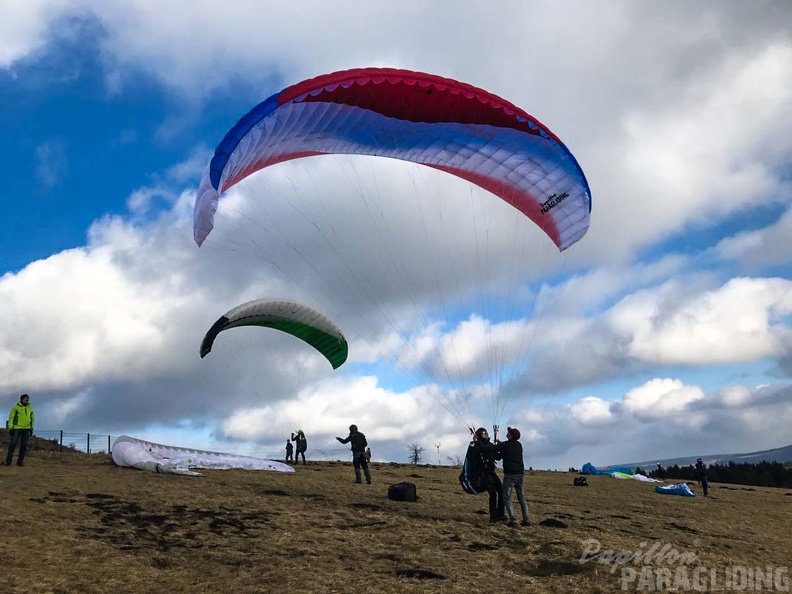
x=75, y=523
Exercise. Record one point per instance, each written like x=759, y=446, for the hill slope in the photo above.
x=783, y=454
x=81, y=524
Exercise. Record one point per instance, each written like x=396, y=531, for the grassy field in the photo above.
x=76, y=523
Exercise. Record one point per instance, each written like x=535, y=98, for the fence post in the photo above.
x=60, y=441
x=88, y=443
x=108, y=444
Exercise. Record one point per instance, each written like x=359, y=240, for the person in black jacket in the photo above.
x=481, y=454
x=359, y=444
x=511, y=452
x=701, y=475
x=289, y=451
x=302, y=445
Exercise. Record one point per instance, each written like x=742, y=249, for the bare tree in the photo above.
x=415, y=452
x=455, y=460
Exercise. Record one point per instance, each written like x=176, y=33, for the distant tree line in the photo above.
x=761, y=474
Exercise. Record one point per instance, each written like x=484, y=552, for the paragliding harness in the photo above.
x=474, y=477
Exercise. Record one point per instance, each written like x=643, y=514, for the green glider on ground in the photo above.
x=290, y=317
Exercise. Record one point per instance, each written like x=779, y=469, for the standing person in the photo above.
x=368, y=455
x=289, y=450
x=359, y=445
x=20, y=425
x=511, y=452
x=481, y=455
x=701, y=475
x=302, y=445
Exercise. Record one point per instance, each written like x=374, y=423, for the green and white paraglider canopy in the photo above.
x=288, y=316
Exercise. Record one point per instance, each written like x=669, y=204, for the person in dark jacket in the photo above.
x=289, y=451
x=359, y=445
x=482, y=453
x=20, y=425
x=302, y=445
x=701, y=475
x=511, y=452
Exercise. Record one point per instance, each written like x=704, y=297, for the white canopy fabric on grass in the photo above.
x=155, y=457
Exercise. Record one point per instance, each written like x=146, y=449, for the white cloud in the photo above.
x=762, y=247
x=741, y=321
x=663, y=418
x=330, y=407
x=715, y=149
x=24, y=26
x=76, y=316
x=691, y=321
x=390, y=420
x=659, y=397
x=591, y=410
x=64, y=409
x=735, y=396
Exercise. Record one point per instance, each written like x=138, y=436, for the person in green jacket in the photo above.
x=20, y=425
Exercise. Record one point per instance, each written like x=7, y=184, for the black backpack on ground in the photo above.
x=403, y=491
x=580, y=481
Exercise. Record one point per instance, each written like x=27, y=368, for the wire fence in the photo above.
x=90, y=443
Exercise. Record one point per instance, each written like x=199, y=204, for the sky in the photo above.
x=666, y=331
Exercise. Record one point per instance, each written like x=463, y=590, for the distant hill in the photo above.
x=783, y=454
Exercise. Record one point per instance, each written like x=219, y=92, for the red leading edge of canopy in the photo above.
x=418, y=97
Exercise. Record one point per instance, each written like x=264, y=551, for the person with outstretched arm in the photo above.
x=302, y=445
x=359, y=445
